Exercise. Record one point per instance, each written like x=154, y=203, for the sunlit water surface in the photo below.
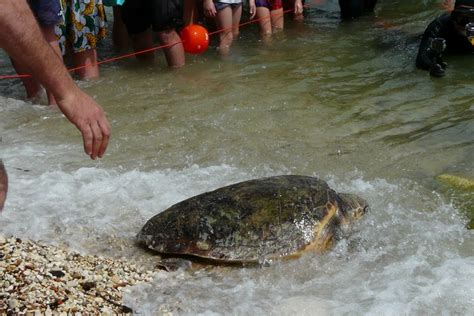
x=340, y=101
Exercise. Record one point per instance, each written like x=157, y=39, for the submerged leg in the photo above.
x=277, y=20
x=141, y=42
x=224, y=25
x=369, y=5
x=87, y=58
x=351, y=8
x=264, y=21
x=174, y=52
x=119, y=31
x=32, y=87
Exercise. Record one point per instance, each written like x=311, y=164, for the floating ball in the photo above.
x=195, y=39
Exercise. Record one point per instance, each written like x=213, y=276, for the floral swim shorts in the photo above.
x=84, y=25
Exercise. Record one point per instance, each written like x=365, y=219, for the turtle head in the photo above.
x=354, y=207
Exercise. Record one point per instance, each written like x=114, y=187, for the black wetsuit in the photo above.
x=354, y=8
x=444, y=27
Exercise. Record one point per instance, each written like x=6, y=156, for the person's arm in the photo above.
x=21, y=37
x=252, y=9
x=209, y=8
x=298, y=9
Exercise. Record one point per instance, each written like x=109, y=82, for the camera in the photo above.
x=470, y=32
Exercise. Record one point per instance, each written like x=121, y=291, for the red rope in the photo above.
x=17, y=76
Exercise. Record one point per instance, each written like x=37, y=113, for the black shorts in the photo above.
x=160, y=15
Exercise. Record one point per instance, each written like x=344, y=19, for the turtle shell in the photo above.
x=249, y=221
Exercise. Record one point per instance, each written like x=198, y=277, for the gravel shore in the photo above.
x=35, y=277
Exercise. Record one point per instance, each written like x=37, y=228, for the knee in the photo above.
x=168, y=36
x=227, y=37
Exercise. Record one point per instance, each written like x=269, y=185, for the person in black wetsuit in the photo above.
x=354, y=8
x=451, y=33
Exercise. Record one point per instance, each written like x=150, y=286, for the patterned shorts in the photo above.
x=84, y=24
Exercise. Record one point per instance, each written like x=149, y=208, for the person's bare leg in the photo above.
x=224, y=26
x=3, y=185
x=32, y=87
x=143, y=41
x=277, y=20
x=236, y=16
x=50, y=36
x=174, y=53
x=88, y=61
x=264, y=22
x=119, y=31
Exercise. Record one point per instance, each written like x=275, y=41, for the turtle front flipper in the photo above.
x=325, y=229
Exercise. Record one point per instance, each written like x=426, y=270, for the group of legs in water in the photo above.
x=140, y=19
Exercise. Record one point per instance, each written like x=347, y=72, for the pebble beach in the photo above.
x=43, y=279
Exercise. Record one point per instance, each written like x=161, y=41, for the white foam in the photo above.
x=404, y=258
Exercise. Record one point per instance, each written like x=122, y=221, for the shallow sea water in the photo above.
x=342, y=101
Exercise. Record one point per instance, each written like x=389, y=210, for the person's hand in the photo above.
x=252, y=9
x=438, y=69
x=89, y=118
x=298, y=7
x=209, y=8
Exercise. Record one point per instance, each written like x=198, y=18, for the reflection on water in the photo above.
x=342, y=101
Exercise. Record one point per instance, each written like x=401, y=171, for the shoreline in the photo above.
x=36, y=277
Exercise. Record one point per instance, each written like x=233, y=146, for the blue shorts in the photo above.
x=221, y=5
x=47, y=12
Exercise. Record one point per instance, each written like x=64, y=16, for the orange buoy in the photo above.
x=195, y=39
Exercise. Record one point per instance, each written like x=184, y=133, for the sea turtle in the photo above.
x=254, y=221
